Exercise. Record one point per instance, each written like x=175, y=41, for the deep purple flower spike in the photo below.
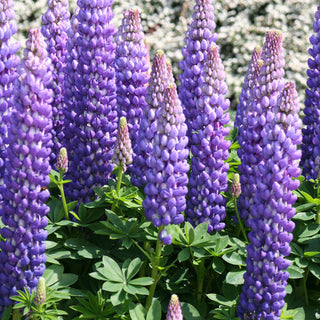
x=208, y=177
x=199, y=38
x=26, y=176
x=167, y=178
x=55, y=23
x=8, y=65
x=92, y=101
x=158, y=81
x=250, y=81
x=174, y=309
x=266, y=277
x=310, y=160
x=263, y=98
x=123, y=151
x=131, y=67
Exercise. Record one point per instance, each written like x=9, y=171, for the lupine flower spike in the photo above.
x=148, y=127
x=131, y=67
x=199, y=38
x=27, y=175
x=167, y=177
x=122, y=151
x=8, y=64
x=174, y=309
x=40, y=295
x=235, y=186
x=263, y=99
x=249, y=83
x=208, y=177
x=310, y=160
x=62, y=161
x=266, y=277
x=93, y=108
x=56, y=22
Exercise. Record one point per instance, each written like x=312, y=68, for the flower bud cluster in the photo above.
x=27, y=174
x=55, y=23
x=174, y=309
x=62, y=161
x=159, y=80
x=92, y=116
x=199, y=38
x=122, y=151
x=8, y=64
x=263, y=292
x=250, y=81
x=131, y=67
x=208, y=177
x=310, y=160
x=263, y=100
x=167, y=177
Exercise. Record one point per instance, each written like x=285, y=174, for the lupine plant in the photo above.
x=125, y=244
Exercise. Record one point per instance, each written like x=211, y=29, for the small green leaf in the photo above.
x=234, y=258
x=235, y=277
x=315, y=270
x=112, y=286
x=52, y=274
x=133, y=268
x=189, y=232
x=190, y=312
x=295, y=272
x=304, y=216
x=218, y=265
x=311, y=254
x=111, y=270
x=142, y=281
x=137, y=311
x=221, y=299
x=303, y=207
x=154, y=312
x=184, y=254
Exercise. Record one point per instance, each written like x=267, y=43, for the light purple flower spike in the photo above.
x=174, y=309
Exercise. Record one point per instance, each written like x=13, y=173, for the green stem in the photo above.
x=305, y=277
x=239, y=220
x=155, y=273
x=118, y=186
x=200, y=279
x=318, y=218
x=146, y=248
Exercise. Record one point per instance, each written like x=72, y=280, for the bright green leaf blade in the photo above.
x=133, y=268
x=190, y=312
x=112, y=286
x=143, y=281
x=295, y=272
x=111, y=270
x=137, y=311
x=235, y=277
x=315, y=270
x=221, y=299
x=154, y=312
x=184, y=254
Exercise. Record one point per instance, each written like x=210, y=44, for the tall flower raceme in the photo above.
x=158, y=81
x=263, y=99
x=92, y=117
x=208, y=177
x=199, y=38
x=249, y=83
x=26, y=176
x=131, y=67
x=167, y=178
x=8, y=64
x=266, y=277
x=310, y=160
x=55, y=23
x=174, y=309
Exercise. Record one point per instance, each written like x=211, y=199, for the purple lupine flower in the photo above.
x=123, y=151
x=55, y=23
x=208, y=177
x=8, y=64
x=266, y=277
x=249, y=83
x=148, y=127
x=174, y=309
x=311, y=133
x=92, y=116
x=199, y=38
x=26, y=176
x=131, y=67
x=263, y=99
x=62, y=161
x=167, y=178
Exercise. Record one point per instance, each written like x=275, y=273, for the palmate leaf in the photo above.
x=111, y=270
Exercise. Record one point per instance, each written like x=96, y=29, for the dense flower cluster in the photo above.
x=55, y=23
x=62, y=161
x=131, y=67
x=27, y=174
x=174, y=309
x=310, y=160
x=158, y=81
x=250, y=81
x=263, y=99
x=8, y=64
x=199, y=38
x=208, y=177
x=167, y=177
x=122, y=154
x=92, y=114
x=263, y=292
